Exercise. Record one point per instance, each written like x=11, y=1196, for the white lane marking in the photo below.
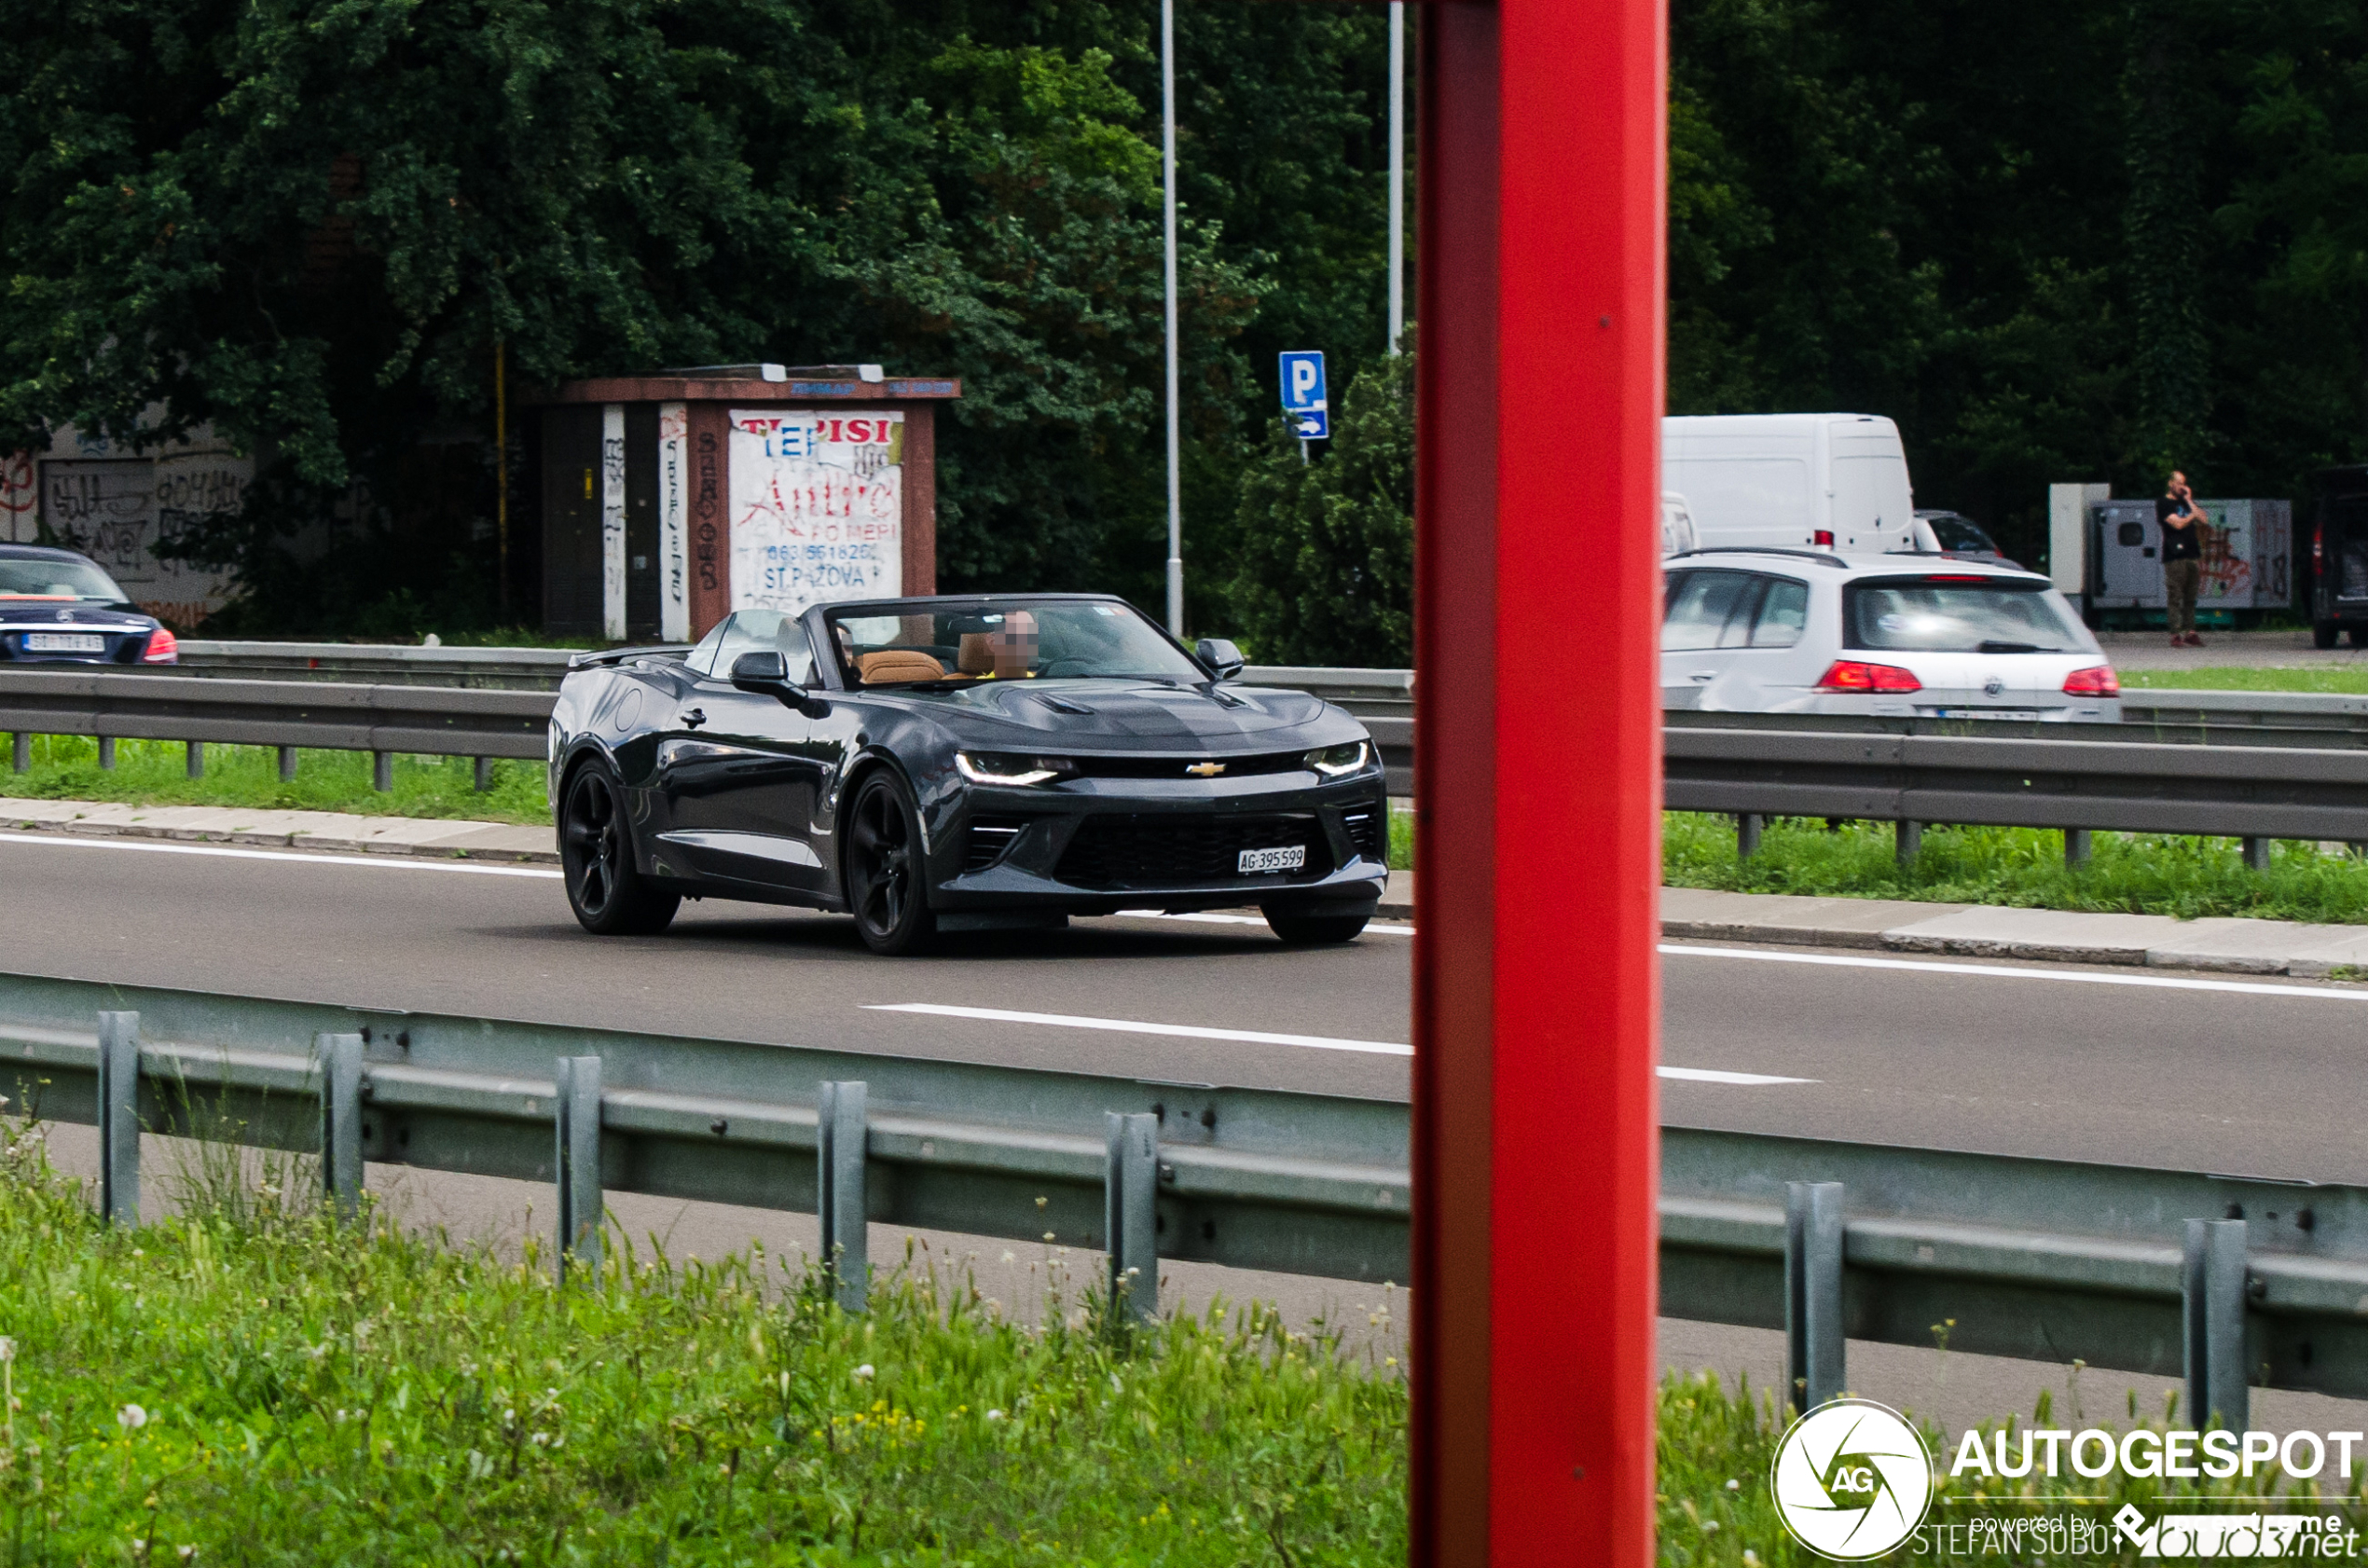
x=1134, y=1027
x=381, y=862
x=1209, y=919
x=1253, y=1037
x=2003, y=971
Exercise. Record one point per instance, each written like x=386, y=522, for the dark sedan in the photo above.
x=57, y=607
x=960, y=764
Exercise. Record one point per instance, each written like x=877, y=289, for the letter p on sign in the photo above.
x=1304, y=399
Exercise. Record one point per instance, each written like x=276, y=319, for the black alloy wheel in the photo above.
x=608, y=892
x=887, y=868
x=1301, y=928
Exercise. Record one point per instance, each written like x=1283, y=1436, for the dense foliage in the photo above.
x=1327, y=548
x=2055, y=241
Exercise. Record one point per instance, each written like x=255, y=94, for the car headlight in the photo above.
x=1338, y=762
x=1001, y=767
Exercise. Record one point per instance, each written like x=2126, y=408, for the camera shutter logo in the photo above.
x=1852, y=1480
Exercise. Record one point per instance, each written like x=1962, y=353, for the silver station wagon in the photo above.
x=1810, y=631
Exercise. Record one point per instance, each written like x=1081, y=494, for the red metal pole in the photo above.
x=1538, y=599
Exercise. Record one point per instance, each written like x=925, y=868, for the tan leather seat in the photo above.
x=977, y=655
x=897, y=664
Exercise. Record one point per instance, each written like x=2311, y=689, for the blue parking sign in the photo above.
x=1304, y=397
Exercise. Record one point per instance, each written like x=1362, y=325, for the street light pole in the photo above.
x=1175, y=439
x=1396, y=173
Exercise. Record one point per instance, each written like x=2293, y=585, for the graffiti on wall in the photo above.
x=674, y=479
x=117, y=510
x=817, y=506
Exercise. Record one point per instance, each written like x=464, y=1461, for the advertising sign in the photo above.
x=818, y=503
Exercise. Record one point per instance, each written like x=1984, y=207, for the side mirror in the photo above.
x=767, y=673
x=1220, y=656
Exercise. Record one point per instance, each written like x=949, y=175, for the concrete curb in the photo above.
x=320, y=831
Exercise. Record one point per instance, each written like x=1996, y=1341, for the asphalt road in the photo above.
x=2128, y=1066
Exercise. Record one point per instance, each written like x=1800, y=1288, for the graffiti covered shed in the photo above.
x=673, y=499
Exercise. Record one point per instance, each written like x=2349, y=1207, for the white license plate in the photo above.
x=1292, y=857
x=2028, y=715
x=65, y=643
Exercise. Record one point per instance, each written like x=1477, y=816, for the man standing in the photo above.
x=2182, y=531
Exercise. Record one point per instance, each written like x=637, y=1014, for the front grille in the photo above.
x=1366, y=830
x=989, y=837
x=1179, y=767
x=1112, y=851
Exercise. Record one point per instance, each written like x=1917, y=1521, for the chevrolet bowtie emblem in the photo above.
x=1206, y=770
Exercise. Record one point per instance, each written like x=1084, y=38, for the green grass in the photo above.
x=308, y=1396
x=154, y=773
x=2229, y=678
x=2138, y=873
x=1401, y=840
x=1717, y=1445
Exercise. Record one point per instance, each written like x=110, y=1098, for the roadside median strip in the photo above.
x=328, y=832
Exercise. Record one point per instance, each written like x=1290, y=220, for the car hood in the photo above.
x=1135, y=716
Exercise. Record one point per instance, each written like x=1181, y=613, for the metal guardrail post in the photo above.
x=2212, y=1314
x=341, y=1058
x=119, y=1118
x=1907, y=839
x=1814, y=1346
x=2256, y=854
x=2077, y=846
x=576, y=1116
x=21, y=751
x=106, y=753
x=1747, y=828
x=840, y=1137
x=287, y=765
x=382, y=771
x=1130, y=1213
x=196, y=758
x=484, y=775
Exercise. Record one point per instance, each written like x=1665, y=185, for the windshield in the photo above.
x=52, y=577
x=1007, y=639
x=1958, y=615
x=1959, y=533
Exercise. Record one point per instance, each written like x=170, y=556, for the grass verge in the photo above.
x=154, y=773
x=1715, y=1506
x=2232, y=678
x=2134, y=874
x=245, y=1382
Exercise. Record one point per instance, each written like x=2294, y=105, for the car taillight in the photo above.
x=2097, y=681
x=1849, y=675
x=163, y=648
x=2318, y=545
x=1824, y=538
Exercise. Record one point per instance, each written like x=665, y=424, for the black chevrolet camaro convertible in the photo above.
x=984, y=762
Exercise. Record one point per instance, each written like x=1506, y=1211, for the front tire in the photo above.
x=1302, y=929
x=606, y=889
x=887, y=868
x=2323, y=634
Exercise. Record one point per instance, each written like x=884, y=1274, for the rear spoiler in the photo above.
x=618, y=656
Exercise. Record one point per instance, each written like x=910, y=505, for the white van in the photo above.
x=1792, y=481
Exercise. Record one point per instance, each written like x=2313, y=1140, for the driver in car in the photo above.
x=1014, y=646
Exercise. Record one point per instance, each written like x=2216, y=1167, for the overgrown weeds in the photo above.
x=248, y=1382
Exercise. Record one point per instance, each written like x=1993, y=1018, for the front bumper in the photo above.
x=1097, y=846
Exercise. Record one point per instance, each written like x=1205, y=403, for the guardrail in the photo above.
x=2213, y=779
x=2041, y=1258
x=515, y=669
x=286, y=714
